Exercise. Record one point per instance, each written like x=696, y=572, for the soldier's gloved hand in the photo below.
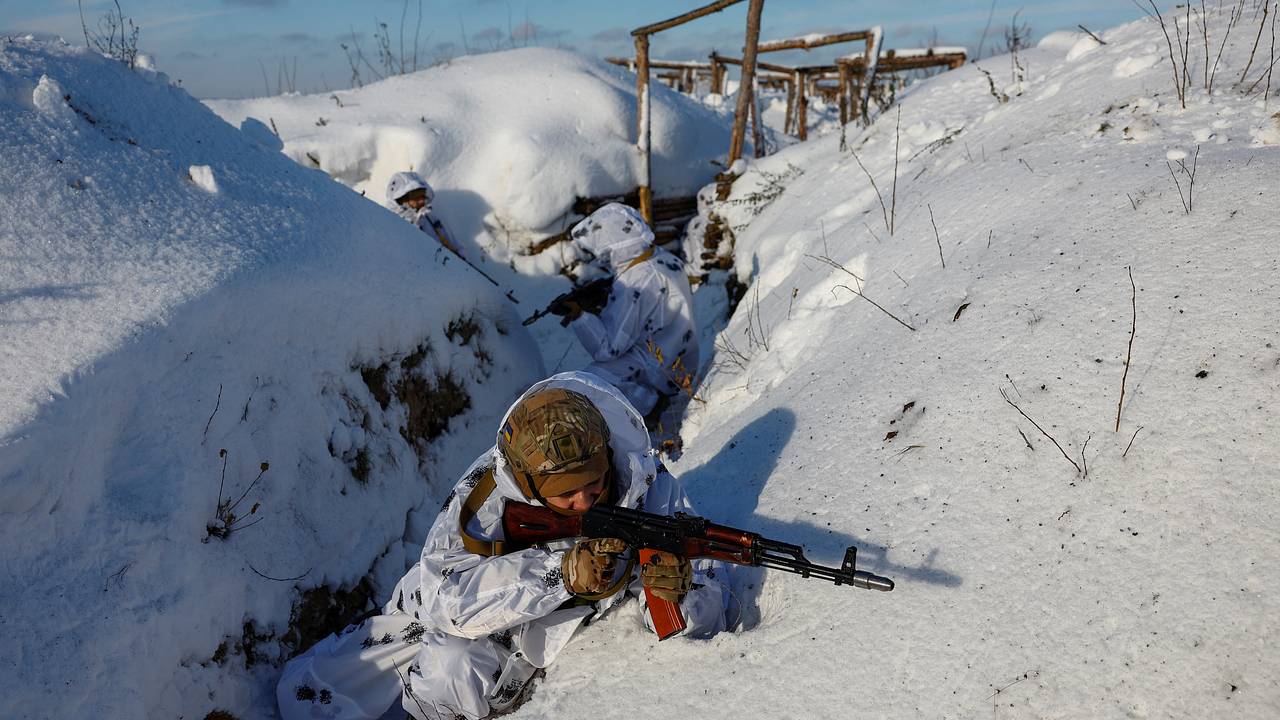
x=589, y=566
x=568, y=310
x=667, y=576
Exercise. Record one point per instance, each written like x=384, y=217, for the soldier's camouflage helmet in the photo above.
x=555, y=441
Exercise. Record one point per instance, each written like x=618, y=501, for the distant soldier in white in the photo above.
x=474, y=621
x=644, y=340
x=413, y=196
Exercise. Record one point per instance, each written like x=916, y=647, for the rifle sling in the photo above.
x=470, y=506
x=637, y=260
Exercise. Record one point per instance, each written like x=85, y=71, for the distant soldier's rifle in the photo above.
x=680, y=534
x=448, y=244
x=589, y=296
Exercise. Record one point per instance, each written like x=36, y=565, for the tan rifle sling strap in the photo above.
x=470, y=506
x=638, y=259
x=489, y=548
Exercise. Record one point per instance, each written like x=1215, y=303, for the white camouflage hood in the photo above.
x=614, y=234
x=403, y=183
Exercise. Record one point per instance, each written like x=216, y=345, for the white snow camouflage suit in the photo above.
x=644, y=341
x=462, y=633
x=403, y=183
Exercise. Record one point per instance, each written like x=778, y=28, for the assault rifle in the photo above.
x=443, y=237
x=591, y=296
x=679, y=534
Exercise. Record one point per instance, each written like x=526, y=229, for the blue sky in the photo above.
x=224, y=48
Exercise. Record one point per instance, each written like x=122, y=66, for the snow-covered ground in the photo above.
x=1147, y=588
x=188, y=319
x=172, y=287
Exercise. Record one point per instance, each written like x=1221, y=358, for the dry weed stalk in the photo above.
x=1014, y=405
x=1126, y=447
x=1266, y=9
x=938, y=238
x=1133, y=330
x=1187, y=199
x=858, y=291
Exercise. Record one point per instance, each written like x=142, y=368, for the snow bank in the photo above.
x=508, y=140
x=1147, y=588
x=226, y=379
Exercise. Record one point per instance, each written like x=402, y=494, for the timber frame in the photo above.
x=643, y=110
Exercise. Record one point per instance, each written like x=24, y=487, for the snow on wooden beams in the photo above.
x=854, y=68
x=641, y=35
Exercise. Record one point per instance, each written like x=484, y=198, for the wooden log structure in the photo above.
x=641, y=35
x=853, y=69
x=804, y=79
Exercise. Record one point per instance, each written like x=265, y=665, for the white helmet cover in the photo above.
x=403, y=183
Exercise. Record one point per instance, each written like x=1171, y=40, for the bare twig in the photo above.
x=1129, y=356
x=878, y=306
x=1089, y=32
x=1188, y=198
x=268, y=577
x=1126, y=447
x=1025, y=440
x=1236, y=13
x=990, y=14
x=1042, y=430
x=216, y=405
x=937, y=238
x=883, y=209
x=893, y=205
x=1179, y=84
x=838, y=266
x=1266, y=8
x=1084, y=458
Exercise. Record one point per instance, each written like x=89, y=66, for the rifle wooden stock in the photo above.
x=680, y=534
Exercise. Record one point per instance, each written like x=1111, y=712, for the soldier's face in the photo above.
x=580, y=500
x=416, y=199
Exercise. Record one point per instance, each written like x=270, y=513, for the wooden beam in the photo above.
x=762, y=65
x=714, y=7
x=809, y=42
x=661, y=64
x=748, y=80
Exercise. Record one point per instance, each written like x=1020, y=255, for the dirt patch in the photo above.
x=430, y=397
x=429, y=404
x=322, y=611
x=247, y=646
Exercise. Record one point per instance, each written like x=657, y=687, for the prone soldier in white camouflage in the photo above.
x=470, y=626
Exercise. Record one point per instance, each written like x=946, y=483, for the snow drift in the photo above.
x=507, y=139
x=225, y=378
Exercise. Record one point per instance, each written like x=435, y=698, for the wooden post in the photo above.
x=642, y=127
x=844, y=93
x=748, y=80
x=791, y=108
x=717, y=75
x=757, y=138
x=802, y=105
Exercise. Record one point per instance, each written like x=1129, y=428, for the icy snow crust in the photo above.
x=170, y=288
x=1149, y=588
